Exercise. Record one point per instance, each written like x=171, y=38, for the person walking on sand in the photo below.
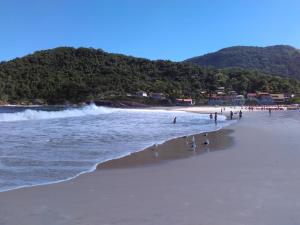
x=231, y=115
x=174, y=120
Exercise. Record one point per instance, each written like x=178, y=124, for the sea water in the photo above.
x=42, y=145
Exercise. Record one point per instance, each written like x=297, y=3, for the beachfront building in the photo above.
x=221, y=91
x=216, y=101
x=288, y=96
x=238, y=100
x=184, y=101
x=158, y=96
x=232, y=93
x=278, y=98
x=142, y=94
x=252, y=97
x=264, y=98
x=227, y=100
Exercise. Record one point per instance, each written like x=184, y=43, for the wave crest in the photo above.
x=30, y=114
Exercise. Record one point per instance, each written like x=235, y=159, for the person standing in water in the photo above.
x=216, y=117
x=270, y=111
x=240, y=114
x=174, y=120
x=211, y=116
x=231, y=115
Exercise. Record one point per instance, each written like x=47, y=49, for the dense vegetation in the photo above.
x=280, y=60
x=83, y=74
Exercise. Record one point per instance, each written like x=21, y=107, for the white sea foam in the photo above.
x=31, y=114
x=92, y=109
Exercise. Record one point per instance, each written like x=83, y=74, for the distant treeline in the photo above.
x=76, y=75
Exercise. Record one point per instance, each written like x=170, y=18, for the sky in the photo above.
x=153, y=29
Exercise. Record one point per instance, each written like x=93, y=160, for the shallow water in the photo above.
x=50, y=144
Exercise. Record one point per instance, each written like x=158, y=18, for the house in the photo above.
x=238, y=100
x=251, y=96
x=227, y=100
x=232, y=93
x=265, y=98
x=216, y=100
x=221, y=91
x=158, y=96
x=288, y=97
x=141, y=94
x=278, y=98
x=252, y=99
x=184, y=101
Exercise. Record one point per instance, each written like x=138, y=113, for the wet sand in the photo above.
x=255, y=180
x=178, y=148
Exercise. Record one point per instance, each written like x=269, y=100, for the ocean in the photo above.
x=41, y=145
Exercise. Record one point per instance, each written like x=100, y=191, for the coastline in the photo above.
x=156, y=153
x=240, y=185
x=141, y=148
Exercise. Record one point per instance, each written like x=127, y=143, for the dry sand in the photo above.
x=256, y=180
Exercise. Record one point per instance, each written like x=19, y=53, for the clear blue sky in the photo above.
x=155, y=29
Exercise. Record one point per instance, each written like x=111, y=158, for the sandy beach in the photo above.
x=248, y=174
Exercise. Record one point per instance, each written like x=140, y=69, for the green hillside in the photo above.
x=83, y=74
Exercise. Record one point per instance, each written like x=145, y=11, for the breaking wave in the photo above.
x=31, y=114
x=89, y=110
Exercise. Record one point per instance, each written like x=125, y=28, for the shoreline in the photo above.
x=113, y=163
x=173, y=149
x=255, y=180
x=96, y=165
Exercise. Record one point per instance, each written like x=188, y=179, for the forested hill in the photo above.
x=281, y=60
x=83, y=74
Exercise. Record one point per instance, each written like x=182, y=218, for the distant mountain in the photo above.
x=281, y=60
